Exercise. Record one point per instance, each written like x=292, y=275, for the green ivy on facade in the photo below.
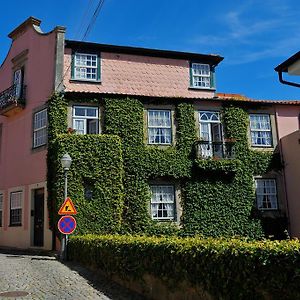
x=217, y=196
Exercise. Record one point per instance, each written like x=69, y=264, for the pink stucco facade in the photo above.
x=288, y=129
x=126, y=74
x=23, y=168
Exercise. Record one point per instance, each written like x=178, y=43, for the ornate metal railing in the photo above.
x=217, y=150
x=14, y=95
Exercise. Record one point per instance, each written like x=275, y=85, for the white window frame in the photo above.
x=270, y=197
x=40, y=128
x=155, y=203
x=85, y=119
x=161, y=128
x=207, y=150
x=261, y=131
x=80, y=70
x=16, y=207
x=201, y=79
x=1, y=210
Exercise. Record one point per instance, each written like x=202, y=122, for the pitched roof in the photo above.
x=238, y=97
x=283, y=67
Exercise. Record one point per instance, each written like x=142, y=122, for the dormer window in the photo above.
x=86, y=67
x=201, y=76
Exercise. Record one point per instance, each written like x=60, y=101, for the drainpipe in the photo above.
x=287, y=82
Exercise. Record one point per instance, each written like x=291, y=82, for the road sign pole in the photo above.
x=64, y=238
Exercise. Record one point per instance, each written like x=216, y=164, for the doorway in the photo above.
x=38, y=218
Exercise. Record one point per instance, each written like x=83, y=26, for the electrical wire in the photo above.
x=93, y=20
x=88, y=30
x=82, y=25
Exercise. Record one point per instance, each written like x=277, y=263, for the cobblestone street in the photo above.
x=43, y=277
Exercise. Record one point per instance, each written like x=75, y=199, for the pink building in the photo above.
x=38, y=64
x=28, y=77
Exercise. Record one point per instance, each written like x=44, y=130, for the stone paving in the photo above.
x=44, y=277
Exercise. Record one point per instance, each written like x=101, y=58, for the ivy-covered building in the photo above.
x=155, y=148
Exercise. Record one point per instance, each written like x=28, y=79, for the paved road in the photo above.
x=43, y=277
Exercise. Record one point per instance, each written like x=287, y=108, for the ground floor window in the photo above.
x=16, y=208
x=266, y=194
x=162, y=202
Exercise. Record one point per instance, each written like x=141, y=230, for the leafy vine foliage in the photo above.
x=217, y=197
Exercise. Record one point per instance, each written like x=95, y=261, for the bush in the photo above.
x=225, y=268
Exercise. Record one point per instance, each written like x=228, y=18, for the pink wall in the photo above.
x=291, y=155
x=138, y=75
x=287, y=119
x=21, y=165
x=288, y=132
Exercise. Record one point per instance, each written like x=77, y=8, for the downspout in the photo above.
x=287, y=82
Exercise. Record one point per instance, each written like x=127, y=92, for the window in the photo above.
x=162, y=202
x=266, y=194
x=86, y=67
x=16, y=208
x=200, y=75
x=260, y=128
x=40, y=128
x=159, y=127
x=1, y=209
x=85, y=119
x=211, y=134
x=18, y=83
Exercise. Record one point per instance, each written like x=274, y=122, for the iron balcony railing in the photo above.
x=217, y=150
x=13, y=96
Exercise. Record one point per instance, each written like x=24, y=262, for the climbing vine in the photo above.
x=217, y=196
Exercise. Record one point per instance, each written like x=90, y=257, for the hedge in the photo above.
x=225, y=268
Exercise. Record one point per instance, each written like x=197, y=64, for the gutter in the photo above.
x=285, y=81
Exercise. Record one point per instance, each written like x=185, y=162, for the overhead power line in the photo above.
x=84, y=20
x=93, y=19
x=88, y=29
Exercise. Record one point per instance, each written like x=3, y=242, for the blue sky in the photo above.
x=254, y=36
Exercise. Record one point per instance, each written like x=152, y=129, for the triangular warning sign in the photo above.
x=67, y=208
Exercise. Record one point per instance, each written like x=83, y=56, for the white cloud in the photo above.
x=253, y=31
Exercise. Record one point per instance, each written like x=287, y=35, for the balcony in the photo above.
x=12, y=100
x=216, y=158
x=215, y=150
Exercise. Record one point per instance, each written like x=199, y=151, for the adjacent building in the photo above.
x=152, y=142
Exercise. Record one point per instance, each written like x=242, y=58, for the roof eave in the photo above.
x=209, y=58
x=283, y=67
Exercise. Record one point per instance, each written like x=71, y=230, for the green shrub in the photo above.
x=226, y=268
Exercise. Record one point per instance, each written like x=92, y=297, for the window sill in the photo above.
x=85, y=81
x=15, y=225
x=39, y=148
x=201, y=88
x=262, y=148
x=157, y=144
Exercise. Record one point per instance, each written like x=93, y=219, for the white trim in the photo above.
x=85, y=118
x=83, y=67
x=164, y=202
x=201, y=76
x=41, y=140
x=267, y=194
x=255, y=130
x=164, y=128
